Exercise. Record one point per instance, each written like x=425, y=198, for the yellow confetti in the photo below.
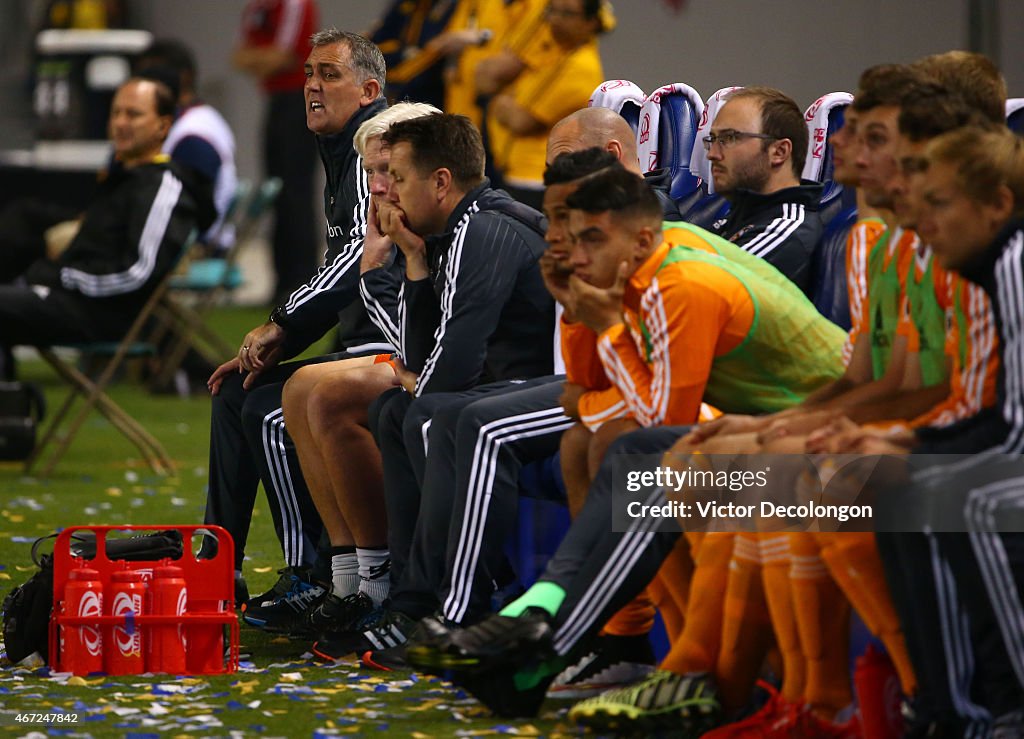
x=426, y=705
x=114, y=492
x=261, y=570
x=4, y=576
x=5, y=513
x=246, y=686
x=281, y=640
x=421, y=735
x=21, y=568
x=76, y=681
x=16, y=518
x=528, y=730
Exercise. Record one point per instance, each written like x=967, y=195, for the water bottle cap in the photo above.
x=168, y=571
x=84, y=573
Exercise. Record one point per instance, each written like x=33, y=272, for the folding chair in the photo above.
x=93, y=389
x=207, y=281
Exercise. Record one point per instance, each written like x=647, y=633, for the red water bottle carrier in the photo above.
x=97, y=622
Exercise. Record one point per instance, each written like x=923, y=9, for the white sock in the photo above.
x=344, y=574
x=375, y=573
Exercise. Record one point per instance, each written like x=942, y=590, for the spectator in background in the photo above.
x=410, y=37
x=489, y=21
x=547, y=70
x=130, y=236
x=86, y=14
x=274, y=44
x=199, y=138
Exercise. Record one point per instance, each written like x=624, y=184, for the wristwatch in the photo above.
x=279, y=317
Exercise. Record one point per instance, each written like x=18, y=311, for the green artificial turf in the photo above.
x=279, y=692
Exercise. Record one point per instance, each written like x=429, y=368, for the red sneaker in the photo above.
x=819, y=728
x=776, y=719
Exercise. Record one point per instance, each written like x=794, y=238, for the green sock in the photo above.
x=544, y=595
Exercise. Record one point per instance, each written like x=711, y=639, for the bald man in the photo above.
x=606, y=129
x=479, y=444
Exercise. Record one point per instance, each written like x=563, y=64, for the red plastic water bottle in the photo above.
x=124, y=641
x=81, y=647
x=878, y=692
x=167, y=641
x=205, y=641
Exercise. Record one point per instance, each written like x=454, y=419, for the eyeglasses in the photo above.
x=728, y=137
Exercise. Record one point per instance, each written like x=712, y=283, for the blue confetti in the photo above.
x=235, y=705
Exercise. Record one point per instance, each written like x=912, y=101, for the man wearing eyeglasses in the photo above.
x=757, y=147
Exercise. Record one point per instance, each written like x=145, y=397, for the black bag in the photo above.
x=26, y=609
x=21, y=409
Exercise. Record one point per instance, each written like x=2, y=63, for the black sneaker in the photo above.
x=389, y=659
x=280, y=610
x=335, y=614
x=382, y=629
x=611, y=662
x=494, y=642
x=506, y=663
x=665, y=701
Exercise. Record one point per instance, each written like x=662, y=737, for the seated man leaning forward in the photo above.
x=470, y=315
x=650, y=306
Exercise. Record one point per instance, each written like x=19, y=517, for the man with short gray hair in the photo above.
x=344, y=87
